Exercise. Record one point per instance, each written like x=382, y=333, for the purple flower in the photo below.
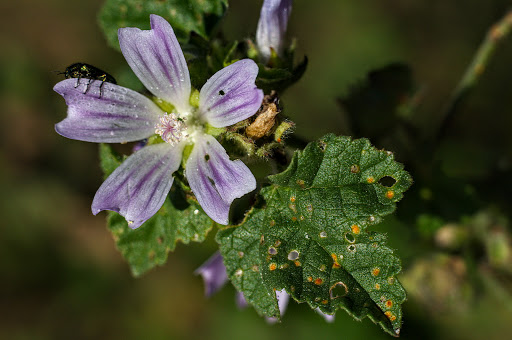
x=272, y=26
x=213, y=273
x=138, y=188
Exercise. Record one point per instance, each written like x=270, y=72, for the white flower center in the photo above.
x=172, y=128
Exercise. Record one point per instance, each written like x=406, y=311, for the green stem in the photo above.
x=475, y=70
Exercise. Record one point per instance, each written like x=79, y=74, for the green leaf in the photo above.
x=180, y=219
x=185, y=16
x=239, y=247
x=381, y=102
x=313, y=240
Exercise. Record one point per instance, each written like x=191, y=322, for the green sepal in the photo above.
x=180, y=219
x=214, y=131
x=164, y=105
x=194, y=98
x=185, y=16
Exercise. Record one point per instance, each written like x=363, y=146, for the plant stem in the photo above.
x=475, y=70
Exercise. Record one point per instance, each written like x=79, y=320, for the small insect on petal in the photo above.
x=89, y=72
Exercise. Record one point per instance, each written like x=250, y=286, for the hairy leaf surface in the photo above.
x=313, y=240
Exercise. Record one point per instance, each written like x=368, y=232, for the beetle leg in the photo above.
x=87, y=86
x=101, y=86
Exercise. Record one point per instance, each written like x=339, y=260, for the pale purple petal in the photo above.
x=139, y=186
x=327, y=317
x=213, y=273
x=240, y=300
x=272, y=26
x=155, y=56
x=114, y=115
x=216, y=180
x=282, y=301
x=231, y=95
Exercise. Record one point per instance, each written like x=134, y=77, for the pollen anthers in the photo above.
x=172, y=128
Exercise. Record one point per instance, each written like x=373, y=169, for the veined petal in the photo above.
x=155, y=56
x=272, y=26
x=215, y=179
x=139, y=186
x=112, y=114
x=231, y=95
x=213, y=273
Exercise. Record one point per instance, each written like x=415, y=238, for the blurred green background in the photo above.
x=62, y=277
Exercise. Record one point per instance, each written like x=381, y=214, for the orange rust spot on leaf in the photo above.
x=325, y=302
x=375, y=271
x=297, y=263
x=377, y=286
x=292, y=199
x=335, y=259
x=294, y=218
x=390, y=316
x=370, y=180
x=390, y=194
x=319, y=281
x=310, y=278
x=355, y=229
x=272, y=266
x=389, y=303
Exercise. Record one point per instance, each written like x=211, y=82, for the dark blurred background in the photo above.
x=62, y=277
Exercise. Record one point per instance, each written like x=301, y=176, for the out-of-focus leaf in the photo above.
x=374, y=105
x=185, y=16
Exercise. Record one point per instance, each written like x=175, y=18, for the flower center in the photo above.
x=172, y=128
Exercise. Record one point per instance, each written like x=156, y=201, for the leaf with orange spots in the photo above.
x=320, y=208
x=179, y=219
x=312, y=238
x=240, y=248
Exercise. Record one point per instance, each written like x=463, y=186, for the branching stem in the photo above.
x=475, y=70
